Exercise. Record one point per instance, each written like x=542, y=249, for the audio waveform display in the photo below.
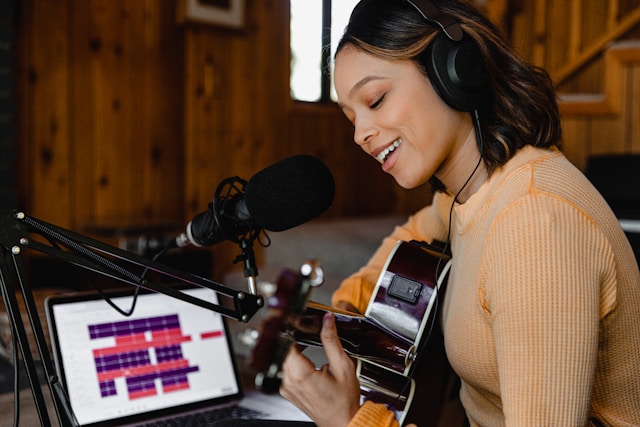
x=145, y=351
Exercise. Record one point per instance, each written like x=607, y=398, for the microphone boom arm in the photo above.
x=89, y=254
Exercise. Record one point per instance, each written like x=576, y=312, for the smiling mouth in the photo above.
x=390, y=149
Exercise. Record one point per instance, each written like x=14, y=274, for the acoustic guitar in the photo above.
x=387, y=341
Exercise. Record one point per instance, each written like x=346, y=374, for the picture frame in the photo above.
x=225, y=13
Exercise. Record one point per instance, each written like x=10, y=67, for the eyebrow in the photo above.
x=363, y=82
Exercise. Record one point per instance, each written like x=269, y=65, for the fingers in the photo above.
x=336, y=356
x=296, y=364
x=296, y=370
x=329, y=337
x=331, y=395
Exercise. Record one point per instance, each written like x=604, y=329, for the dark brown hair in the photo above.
x=523, y=110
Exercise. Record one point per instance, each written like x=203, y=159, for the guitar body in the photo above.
x=395, y=342
x=405, y=300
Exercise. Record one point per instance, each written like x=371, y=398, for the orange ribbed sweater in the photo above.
x=542, y=311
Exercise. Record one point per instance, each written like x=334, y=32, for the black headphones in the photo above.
x=454, y=62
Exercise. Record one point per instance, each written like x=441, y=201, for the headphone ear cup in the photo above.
x=457, y=73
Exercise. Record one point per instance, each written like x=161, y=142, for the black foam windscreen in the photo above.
x=290, y=192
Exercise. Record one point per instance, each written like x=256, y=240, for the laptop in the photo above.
x=168, y=359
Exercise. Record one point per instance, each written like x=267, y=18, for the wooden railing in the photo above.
x=591, y=49
x=610, y=100
x=577, y=56
x=578, y=52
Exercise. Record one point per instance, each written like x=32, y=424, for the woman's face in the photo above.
x=398, y=117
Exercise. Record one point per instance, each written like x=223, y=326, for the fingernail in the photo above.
x=327, y=319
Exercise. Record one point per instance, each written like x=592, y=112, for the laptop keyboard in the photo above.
x=207, y=418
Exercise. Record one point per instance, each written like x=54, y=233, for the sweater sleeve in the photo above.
x=544, y=269
x=428, y=224
x=373, y=415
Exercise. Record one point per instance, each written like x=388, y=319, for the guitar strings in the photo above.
x=443, y=253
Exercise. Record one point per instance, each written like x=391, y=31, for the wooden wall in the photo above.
x=592, y=51
x=127, y=118
x=100, y=89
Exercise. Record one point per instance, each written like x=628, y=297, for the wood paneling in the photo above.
x=591, y=50
x=43, y=111
x=130, y=119
x=98, y=129
x=127, y=118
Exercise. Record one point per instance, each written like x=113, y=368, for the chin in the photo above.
x=406, y=185
x=409, y=184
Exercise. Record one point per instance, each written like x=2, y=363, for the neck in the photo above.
x=465, y=172
x=476, y=178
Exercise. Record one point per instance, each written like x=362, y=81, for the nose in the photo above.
x=364, y=130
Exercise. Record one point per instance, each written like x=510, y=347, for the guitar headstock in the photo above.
x=275, y=335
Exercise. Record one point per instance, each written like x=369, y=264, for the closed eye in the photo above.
x=377, y=103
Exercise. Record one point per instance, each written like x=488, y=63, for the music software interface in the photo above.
x=145, y=350
x=167, y=353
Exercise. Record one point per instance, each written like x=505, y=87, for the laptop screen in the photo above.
x=167, y=354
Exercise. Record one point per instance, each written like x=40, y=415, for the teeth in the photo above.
x=383, y=156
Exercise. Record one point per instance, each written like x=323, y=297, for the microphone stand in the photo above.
x=248, y=257
x=92, y=255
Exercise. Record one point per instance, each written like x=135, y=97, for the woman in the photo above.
x=541, y=317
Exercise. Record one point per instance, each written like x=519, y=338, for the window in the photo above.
x=316, y=28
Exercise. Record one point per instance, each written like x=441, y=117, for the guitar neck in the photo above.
x=361, y=337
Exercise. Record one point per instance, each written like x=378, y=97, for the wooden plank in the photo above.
x=576, y=141
x=137, y=48
x=616, y=60
x=583, y=104
x=496, y=11
x=81, y=97
x=612, y=14
x=540, y=33
x=575, y=25
x=156, y=129
x=131, y=133
x=522, y=34
x=562, y=31
x=595, y=15
x=608, y=133
x=633, y=124
x=49, y=74
x=24, y=107
x=202, y=138
x=110, y=111
x=607, y=136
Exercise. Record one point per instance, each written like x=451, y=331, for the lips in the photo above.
x=382, y=156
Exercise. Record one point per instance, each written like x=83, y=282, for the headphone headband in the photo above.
x=453, y=61
x=447, y=23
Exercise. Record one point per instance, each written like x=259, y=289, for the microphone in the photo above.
x=284, y=195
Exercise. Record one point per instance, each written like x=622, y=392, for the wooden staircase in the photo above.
x=616, y=53
x=591, y=49
x=616, y=58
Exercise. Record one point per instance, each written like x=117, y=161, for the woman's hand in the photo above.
x=329, y=396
